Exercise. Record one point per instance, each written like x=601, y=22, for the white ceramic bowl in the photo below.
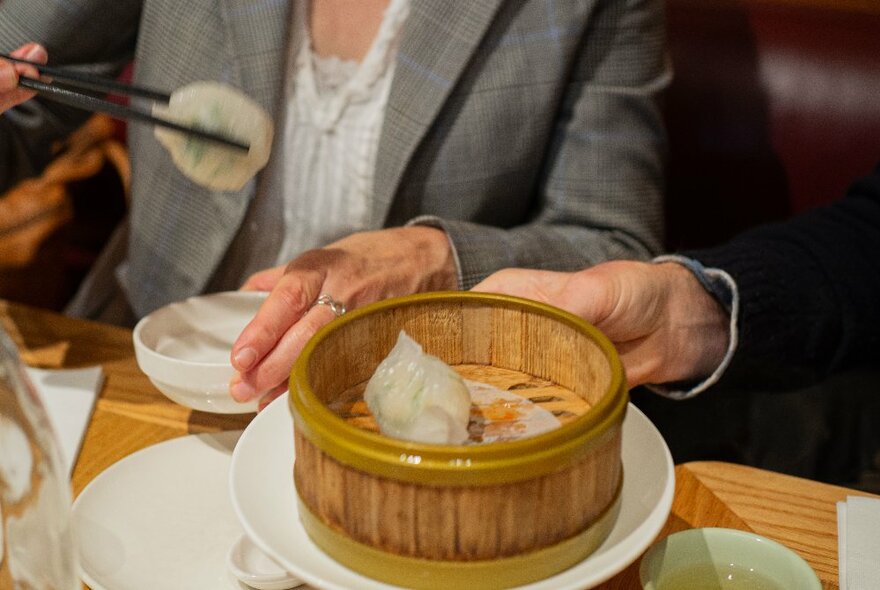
x=184, y=349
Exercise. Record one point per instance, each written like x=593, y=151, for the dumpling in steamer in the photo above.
x=416, y=396
x=216, y=107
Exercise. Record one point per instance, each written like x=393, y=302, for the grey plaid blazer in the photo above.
x=527, y=129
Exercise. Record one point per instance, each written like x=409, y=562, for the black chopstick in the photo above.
x=90, y=103
x=67, y=93
x=92, y=82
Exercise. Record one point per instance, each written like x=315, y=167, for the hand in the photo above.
x=359, y=269
x=665, y=326
x=10, y=94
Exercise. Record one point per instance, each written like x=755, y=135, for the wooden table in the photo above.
x=131, y=414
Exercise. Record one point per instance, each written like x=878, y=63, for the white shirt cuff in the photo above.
x=723, y=288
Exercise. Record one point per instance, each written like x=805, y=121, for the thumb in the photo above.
x=8, y=78
x=32, y=52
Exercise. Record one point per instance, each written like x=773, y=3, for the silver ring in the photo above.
x=337, y=307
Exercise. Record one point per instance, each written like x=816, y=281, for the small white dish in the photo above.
x=248, y=563
x=263, y=496
x=184, y=349
x=160, y=518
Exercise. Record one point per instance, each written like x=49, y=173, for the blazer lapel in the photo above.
x=258, y=31
x=256, y=35
x=439, y=38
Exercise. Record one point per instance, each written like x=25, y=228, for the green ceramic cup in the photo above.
x=724, y=559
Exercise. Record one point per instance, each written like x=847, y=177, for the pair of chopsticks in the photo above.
x=65, y=88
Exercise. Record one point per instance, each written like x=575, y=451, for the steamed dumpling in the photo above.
x=416, y=396
x=218, y=108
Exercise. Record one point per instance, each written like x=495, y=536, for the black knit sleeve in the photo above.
x=809, y=291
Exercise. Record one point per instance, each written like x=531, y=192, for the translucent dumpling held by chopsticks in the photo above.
x=416, y=396
x=219, y=108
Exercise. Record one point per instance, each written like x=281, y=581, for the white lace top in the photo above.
x=335, y=111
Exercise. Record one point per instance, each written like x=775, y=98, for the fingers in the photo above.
x=31, y=52
x=587, y=293
x=271, y=342
x=271, y=396
x=539, y=285
x=269, y=345
x=282, y=309
x=508, y=281
x=10, y=94
x=273, y=371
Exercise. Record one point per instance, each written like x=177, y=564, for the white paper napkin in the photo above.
x=858, y=543
x=69, y=397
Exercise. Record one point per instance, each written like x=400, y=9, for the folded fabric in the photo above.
x=69, y=397
x=50, y=356
x=858, y=531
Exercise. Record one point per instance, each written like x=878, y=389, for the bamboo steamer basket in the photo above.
x=472, y=516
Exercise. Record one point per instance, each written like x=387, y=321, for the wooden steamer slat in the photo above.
x=563, y=403
x=457, y=523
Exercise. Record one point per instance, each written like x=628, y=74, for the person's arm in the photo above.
x=807, y=302
x=600, y=196
x=96, y=35
x=809, y=291
x=666, y=326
